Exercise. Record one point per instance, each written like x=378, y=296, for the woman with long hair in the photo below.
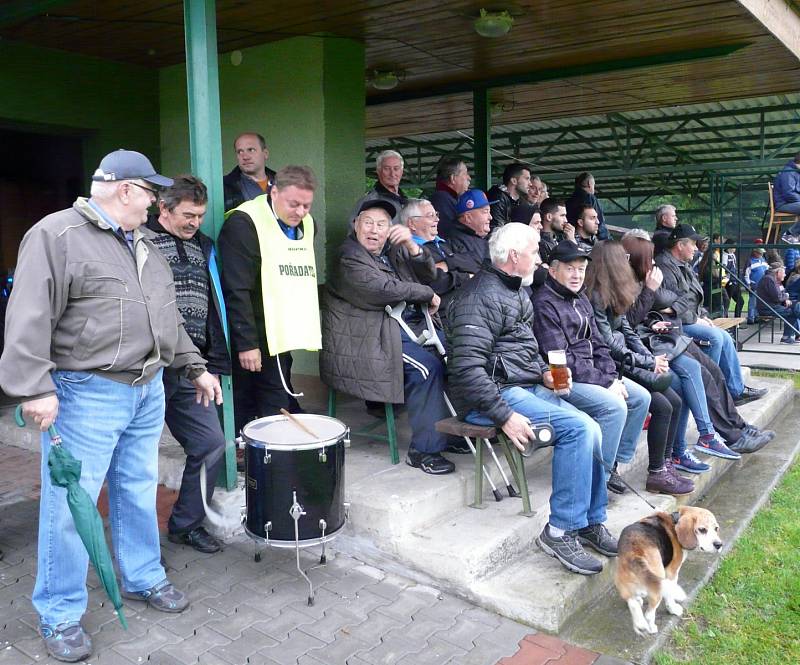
x=705, y=392
x=612, y=289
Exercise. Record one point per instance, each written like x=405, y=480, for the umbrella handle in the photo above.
x=55, y=437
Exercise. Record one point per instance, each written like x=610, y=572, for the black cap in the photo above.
x=387, y=206
x=568, y=251
x=683, y=232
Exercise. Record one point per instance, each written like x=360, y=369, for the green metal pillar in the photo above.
x=205, y=143
x=482, y=139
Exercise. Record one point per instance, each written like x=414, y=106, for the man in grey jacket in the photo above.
x=90, y=326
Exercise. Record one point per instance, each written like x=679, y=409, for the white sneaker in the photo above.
x=791, y=239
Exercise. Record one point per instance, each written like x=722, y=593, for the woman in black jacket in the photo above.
x=611, y=288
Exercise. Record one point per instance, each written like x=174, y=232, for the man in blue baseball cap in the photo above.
x=469, y=236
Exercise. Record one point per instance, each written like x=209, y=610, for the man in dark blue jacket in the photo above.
x=583, y=195
x=452, y=180
x=190, y=254
x=786, y=195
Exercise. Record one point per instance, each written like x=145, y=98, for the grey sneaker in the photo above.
x=67, y=642
x=790, y=238
x=750, y=443
x=162, y=597
x=599, y=539
x=568, y=550
x=752, y=429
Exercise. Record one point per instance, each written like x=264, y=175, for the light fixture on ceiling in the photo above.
x=500, y=106
x=384, y=79
x=493, y=23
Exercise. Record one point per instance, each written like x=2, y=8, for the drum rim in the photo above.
x=323, y=443
x=291, y=544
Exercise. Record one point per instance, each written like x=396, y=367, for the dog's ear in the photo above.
x=685, y=531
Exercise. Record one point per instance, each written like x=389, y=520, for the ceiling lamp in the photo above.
x=384, y=79
x=493, y=23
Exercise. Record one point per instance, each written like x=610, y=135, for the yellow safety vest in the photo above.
x=288, y=281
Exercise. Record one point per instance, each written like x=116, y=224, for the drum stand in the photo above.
x=296, y=511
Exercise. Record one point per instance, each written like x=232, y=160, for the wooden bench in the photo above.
x=481, y=435
x=728, y=323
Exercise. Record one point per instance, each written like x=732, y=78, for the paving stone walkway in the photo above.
x=246, y=612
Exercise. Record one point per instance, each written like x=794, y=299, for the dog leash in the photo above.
x=624, y=482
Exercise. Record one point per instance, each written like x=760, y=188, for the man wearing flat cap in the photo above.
x=91, y=324
x=366, y=353
x=684, y=294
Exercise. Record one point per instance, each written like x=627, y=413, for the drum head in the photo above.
x=279, y=432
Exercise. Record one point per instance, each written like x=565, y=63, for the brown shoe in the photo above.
x=663, y=482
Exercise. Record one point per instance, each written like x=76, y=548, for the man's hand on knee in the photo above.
x=43, y=411
x=250, y=360
x=518, y=429
x=208, y=389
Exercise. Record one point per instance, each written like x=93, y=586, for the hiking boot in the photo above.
x=664, y=482
x=599, y=539
x=689, y=463
x=67, y=642
x=615, y=483
x=458, y=447
x=568, y=550
x=198, y=538
x=749, y=395
x=752, y=429
x=432, y=463
x=750, y=442
x=716, y=447
x=162, y=597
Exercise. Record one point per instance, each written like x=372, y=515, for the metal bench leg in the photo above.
x=478, y=503
x=517, y=465
x=391, y=432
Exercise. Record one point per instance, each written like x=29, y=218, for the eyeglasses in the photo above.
x=153, y=192
x=430, y=215
x=374, y=223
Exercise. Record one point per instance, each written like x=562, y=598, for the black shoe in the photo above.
x=198, y=538
x=599, y=539
x=750, y=443
x=569, y=551
x=615, y=483
x=749, y=395
x=432, y=463
x=458, y=447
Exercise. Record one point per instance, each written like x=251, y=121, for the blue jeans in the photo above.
x=752, y=303
x=792, y=316
x=113, y=429
x=793, y=208
x=722, y=351
x=579, y=495
x=687, y=381
x=620, y=420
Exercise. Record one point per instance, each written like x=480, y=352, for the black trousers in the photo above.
x=734, y=292
x=198, y=430
x=665, y=409
x=260, y=394
x=724, y=416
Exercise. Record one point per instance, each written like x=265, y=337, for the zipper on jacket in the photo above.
x=110, y=278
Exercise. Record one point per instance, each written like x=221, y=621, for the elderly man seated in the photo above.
x=565, y=322
x=468, y=236
x=682, y=291
x=497, y=377
x=773, y=298
x=452, y=270
x=365, y=352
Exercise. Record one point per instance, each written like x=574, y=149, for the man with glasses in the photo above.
x=452, y=270
x=91, y=324
x=365, y=352
x=270, y=286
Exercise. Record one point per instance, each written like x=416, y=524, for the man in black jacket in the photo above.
x=251, y=177
x=468, y=236
x=497, y=377
x=190, y=254
x=584, y=194
x=452, y=180
x=512, y=192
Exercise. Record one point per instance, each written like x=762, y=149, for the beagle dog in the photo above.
x=651, y=552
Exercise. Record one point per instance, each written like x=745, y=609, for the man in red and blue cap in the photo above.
x=469, y=236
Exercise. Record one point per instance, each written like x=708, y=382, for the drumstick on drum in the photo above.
x=299, y=423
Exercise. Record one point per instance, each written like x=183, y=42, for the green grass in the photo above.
x=750, y=611
x=792, y=375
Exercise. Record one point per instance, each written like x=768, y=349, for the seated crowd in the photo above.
x=507, y=277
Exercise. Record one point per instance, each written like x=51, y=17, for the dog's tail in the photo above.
x=644, y=572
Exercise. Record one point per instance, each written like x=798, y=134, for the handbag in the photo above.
x=654, y=383
x=670, y=343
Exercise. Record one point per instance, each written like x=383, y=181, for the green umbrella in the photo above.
x=65, y=471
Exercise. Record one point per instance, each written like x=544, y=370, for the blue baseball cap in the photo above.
x=470, y=200
x=128, y=165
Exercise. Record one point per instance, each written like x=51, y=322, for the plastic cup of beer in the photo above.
x=560, y=372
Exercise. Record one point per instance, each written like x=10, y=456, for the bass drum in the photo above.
x=284, y=462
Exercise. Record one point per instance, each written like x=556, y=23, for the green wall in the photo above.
x=111, y=105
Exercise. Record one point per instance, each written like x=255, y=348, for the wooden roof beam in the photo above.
x=778, y=17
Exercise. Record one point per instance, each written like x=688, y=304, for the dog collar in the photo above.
x=675, y=517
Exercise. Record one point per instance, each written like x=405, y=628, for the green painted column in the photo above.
x=482, y=139
x=205, y=145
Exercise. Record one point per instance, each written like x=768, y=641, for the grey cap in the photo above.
x=128, y=165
